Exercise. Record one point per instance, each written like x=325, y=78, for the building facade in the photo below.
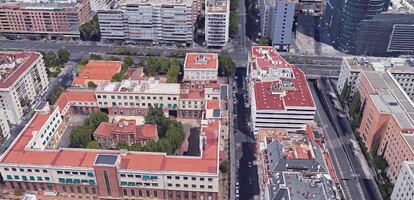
x=161, y=22
x=4, y=125
x=281, y=25
x=108, y=135
x=23, y=80
x=403, y=189
x=81, y=173
x=201, y=67
x=50, y=20
x=135, y=97
x=280, y=95
x=217, y=19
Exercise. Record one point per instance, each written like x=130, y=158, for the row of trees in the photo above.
x=81, y=137
x=128, y=61
x=233, y=24
x=133, y=52
x=163, y=66
x=55, y=61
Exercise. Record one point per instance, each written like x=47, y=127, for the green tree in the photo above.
x=346, y=91
x=226, y=65
x=225, y=166
x=95, y=57
x=122, y=145
x=135, y=147
x=173, y=72
x=95, y=119
x=80, y=136
x=234, y=4
x=113, y=58
x=91, y=84
x=234, y=24
x=151, y=146
x=84, y=61
x=50, y=59
x=92, y=145
x=63, y=55
x=56, y=93
x=264, y=41
x=154, y=116
x=354, y=108
x=128, y=61
x=90, y=30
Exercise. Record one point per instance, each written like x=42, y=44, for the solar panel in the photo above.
x=106, y=159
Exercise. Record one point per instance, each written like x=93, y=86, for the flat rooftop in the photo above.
x=156, y=2
x=201, y=61
x=13, y=65
x=391, y=99
x=145, y=87
x=217, y=5
x=379, y=63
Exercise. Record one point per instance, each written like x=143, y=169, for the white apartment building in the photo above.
x=134, y=97
x=280, y=95
x=4, y=125
x=276, y=21
x=23, y=80
x=217, y=17
x=169, y=22
x=400, y=68
x=404, y=187
x=100, y=5
x=201, y=67
x=49, y=134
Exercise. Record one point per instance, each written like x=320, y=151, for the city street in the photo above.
x=356, y=183
x=327, y=66
x=245, y=171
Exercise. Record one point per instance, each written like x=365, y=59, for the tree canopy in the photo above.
x=90, y=30
x=163, y=66
x=226, y=65
x=63, y=55
x=92, y=145
x=234, y=24
x=264, y=41
x=81, y=137
x=92, y=85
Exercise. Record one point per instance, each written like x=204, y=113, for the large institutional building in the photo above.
x=169, y=22
x=23, y=80
x=35, y=160
x=280, y=95
x=50, y=20
x=403, y=188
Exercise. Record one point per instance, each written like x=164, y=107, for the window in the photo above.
x=177, y=185
x=148, y=193
x=64, y=188
x=67, y=172
x=22, y=170
x=47, y=178
x=201, y=179
x=86, y=190
x=168, y=177
x=132, y=192
x=137, y=176
x=79, y=189
x=169, y=185
x=75, y=173
x=193, y=178
x=16, y=177
x=71, y=189
x=82, y=173
x=37, y=170
x=185, y=178
x=210, y=179
x=177, y=178
x=6, y=169
x=14, y=169
x=210, y=187
x=186, y=185
x=123, y=175
x=130, y=176
x=202, y=186
x=193, y=186
x=125, y=192
x=29, y=170
x=93, y=190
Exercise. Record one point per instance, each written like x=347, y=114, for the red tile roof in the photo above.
x=147, y=131
x=201, y=61
x=14, y=74
x=213, y=104
x=192, y=94
x=98, y=70
x=75, y=96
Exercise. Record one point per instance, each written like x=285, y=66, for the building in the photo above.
x=217, y=19
x=108, y=135
x=4, y=125
x=97, y=72
x=351, y=68
x=135, y=97
x=86, y=173
x=389, y=32
x=276, y=19
x=201, y=67
x=48, y=20
x=404, y=186
x=387, y=125
x=100, y=5
x=23, y=80
x=280, y=95
x=291, y=166
x=353, y=13
x=191, y=103
x=160, y=22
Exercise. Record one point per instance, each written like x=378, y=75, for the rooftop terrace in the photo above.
x=148, y=87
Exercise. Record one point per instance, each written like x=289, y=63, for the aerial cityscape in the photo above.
x=207, y=99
